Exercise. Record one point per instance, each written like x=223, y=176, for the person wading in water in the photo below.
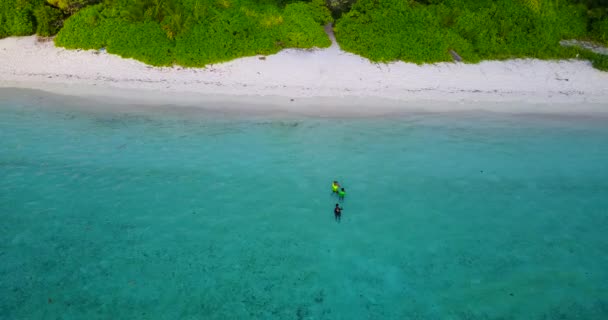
x=338, y=212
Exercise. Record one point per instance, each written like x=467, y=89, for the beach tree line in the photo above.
x=199, y=32
x=471, y=30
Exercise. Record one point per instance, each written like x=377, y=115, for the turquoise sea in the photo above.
x=184, y=214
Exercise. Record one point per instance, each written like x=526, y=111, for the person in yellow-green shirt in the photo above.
x=335, y=186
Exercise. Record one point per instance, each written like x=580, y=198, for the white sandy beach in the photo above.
x=299, y=79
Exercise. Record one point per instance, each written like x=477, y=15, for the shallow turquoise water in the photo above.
x=190, y=215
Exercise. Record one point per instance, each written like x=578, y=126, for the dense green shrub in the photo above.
x=48, y=20
x=127, y=36
x=17, y=17
x=85, y=30
x=390, y=30
x=89, y=29
x=195, y=32
x=387, y=30
x=320, y=12
x=600, y=31
x=26, y=17
x=301, y=28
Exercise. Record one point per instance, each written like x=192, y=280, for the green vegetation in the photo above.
x=195, y=32
x=199, y=32
x=16, y=17
x=339, y=7
x=71, y=6
x=598, y=19
x=600, y=31
x=26, y=17
x=387, y=30
x=48, y=20
x=599, y=61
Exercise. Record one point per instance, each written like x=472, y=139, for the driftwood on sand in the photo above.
x=455, y=56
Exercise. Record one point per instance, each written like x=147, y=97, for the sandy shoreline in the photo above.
x=325, y=80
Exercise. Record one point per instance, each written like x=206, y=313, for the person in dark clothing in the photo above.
x=338, y=212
